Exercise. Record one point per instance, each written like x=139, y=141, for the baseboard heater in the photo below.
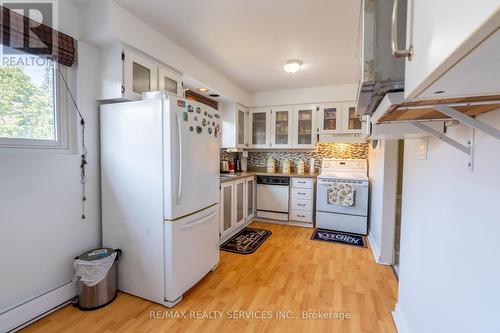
x=23, y=314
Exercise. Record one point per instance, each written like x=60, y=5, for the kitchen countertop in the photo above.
x=243, y=174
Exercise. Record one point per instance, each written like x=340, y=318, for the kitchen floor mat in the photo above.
x=246, y=241
x=338, y=237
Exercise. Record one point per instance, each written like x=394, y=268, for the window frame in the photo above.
x=63, y=130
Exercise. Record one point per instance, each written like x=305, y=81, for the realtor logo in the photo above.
x=26, y=27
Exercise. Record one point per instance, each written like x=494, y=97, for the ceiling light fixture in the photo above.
x=291, y=66
x=202, y=89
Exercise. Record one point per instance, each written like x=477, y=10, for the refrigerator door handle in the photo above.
x=179, y=190
x=196, y=222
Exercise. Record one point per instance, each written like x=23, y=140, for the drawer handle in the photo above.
x=301, y=182
x=301, y=193
x=301, y=216
x=303, y=205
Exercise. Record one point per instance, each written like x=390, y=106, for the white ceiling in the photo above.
x=248, y=40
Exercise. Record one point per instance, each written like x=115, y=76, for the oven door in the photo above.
x=360, y=206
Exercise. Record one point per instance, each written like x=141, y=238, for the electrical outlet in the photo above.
x=422, y=149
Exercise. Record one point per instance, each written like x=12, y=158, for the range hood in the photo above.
x=381, y=72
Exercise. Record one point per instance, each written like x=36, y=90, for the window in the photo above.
x=30, y=112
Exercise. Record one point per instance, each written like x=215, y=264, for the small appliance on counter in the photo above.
x=224, y=166
x=237, y=163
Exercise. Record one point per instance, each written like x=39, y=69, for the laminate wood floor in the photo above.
x=289, y=275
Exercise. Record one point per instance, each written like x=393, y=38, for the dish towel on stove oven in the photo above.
x=341, y=194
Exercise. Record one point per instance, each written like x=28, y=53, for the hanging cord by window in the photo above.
x=83, y=161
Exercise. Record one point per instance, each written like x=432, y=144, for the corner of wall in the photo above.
x=400, y=320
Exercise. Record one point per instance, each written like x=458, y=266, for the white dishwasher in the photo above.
x=272, y=197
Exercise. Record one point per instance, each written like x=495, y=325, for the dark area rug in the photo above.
x=338, y=237
x=246, y=241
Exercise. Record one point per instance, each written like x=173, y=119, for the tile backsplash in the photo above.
x=258, y=159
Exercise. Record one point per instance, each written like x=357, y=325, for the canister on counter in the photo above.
x=286, y=166
x=301, y=167
x=270, y=165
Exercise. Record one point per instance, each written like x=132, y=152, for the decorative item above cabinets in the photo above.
x=126, y=74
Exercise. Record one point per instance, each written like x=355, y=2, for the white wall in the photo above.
x=383, y=172
x=40, y=202
x=449, y=264
x=344, y=92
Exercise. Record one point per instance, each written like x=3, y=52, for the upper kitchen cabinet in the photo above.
x=339, y=122
x=304, y=126
x=234, y=126
x=351, y=122
x=329, y=118
x=455, y=48
x=281, y=129
x=140, y=75
x=260, y=128
x=242, y=126
x=127, y=73
x=169, y=80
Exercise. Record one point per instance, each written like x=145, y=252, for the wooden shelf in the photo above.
x=424, y=109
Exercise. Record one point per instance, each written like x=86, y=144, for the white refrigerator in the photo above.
x=160, y=192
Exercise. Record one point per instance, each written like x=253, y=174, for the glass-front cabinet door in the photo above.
x=259, y=128
x=240, y=200
x=169, y=80
x=227, y=211
x=281, y=131
x=304, y=127
x=139, y=75
x=241, y=126
x=250, y=185
x=351, y=122
x=329, y=118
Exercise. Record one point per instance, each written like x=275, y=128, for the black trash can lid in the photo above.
x=96, y=254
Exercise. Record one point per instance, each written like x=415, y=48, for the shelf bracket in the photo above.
x=467, y=149
x=467, y=120
x=442, y=137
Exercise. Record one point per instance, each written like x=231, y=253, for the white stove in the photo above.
x=347, y=215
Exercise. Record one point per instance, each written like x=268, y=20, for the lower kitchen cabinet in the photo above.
x=240, y=200
x=237, y=205
x=250, y=199
x=302, y=200
x=226, y=207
